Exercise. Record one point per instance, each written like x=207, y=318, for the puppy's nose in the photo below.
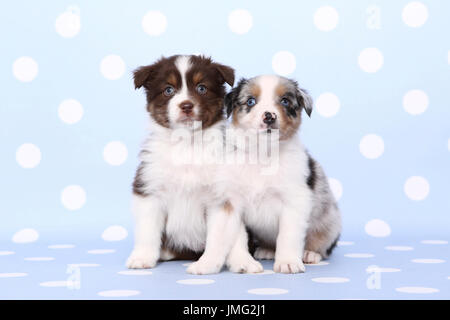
x=187, y=106
x=269, y=118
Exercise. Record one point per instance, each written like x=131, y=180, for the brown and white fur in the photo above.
x=291, y=213
x=171, y=190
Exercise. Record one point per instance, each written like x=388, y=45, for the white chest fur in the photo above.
x=264, y=196
x=179, y=173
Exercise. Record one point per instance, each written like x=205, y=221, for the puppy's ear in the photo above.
x=226, y=72
x=232, y=98
x=305, y=101
x=228, y=101
x=142, y=75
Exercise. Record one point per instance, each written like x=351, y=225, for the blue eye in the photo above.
x=251, y=102
x=285, y=102
x=168, y=91
x=201, y=89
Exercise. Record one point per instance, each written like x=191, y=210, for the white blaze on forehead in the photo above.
x=183, y=64
x=268, y=96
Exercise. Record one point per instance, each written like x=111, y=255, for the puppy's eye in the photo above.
x=169, y=91
x=201, y=89
x=251, y=102
x=285, y=102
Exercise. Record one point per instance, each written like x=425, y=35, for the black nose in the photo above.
x=187, y=106
x=269, y=118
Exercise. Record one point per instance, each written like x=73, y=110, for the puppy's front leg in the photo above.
x=240, y=260
x=149, y=220
x=290, y=240
x=223, y=223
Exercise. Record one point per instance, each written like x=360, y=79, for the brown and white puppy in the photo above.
x=171, y=190
x=291, y=211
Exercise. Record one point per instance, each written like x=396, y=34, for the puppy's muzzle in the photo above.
x=186, y=107
x=269, y=118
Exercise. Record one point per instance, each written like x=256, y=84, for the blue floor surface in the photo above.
x=358, y=269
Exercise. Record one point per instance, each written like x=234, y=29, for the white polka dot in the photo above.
x=73, y=197
x=61, y=246
x=114, y=233
x=68, y=24
x=415, y=14
x=154, y=23
x=28, y=155
x=359, y=255
x=283, y=63
x=399, y=248
x=101, y=251
x=268, y=291
x=262, y=273
x=240, y=21
x=39, y=259
x=6, y=253
x=370, y=60
x=326, y=18
x=416, y=188
x=112, y=67
x=371, y=146
x=328, y=104
x=70, y=111
x=434, y=242
x=419, y=290
x=380, y=269
x=336, y=188
x=377, y=228
x=115, y=153
x=135, y=272
x=56, y=284
x=330, y=280
x=195, y=281
x=25, y=69
x=415, y=102
x=84, y=265
x=25, y=236
x=345, y=243
x=428, y=261
x=321, y=263
x=118, y=293
x=13, y=275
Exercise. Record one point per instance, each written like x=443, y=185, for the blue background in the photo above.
x=69, y=68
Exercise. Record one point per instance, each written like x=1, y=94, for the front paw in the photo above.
x=293, y=265
x=142, y=259
x=204, y=267
x=311, y=257
x=245, y=265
